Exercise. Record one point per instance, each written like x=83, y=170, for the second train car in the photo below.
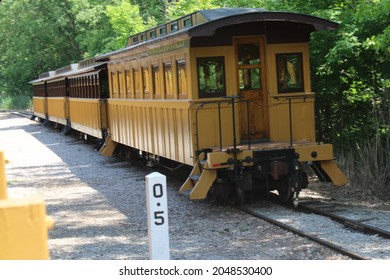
x=226, y=91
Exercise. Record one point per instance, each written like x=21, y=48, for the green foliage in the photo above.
x=350, y=71
x=33, y=41
x=184, y=7
x=125, y=20
x=15, y=102
x=42, y=35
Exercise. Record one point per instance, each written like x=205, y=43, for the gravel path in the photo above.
x=99, y=205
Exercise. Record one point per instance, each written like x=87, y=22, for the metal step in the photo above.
x=186, y=193
x=195, y=178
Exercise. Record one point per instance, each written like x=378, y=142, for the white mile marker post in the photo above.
x=156, y=202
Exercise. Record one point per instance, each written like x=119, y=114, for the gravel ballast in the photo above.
x=99, y=205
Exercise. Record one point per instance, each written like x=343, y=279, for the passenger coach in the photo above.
x=227, y=91
x=74, y=97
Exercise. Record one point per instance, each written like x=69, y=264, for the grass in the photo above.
x=368, y=167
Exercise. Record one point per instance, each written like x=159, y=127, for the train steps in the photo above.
x=199, y=181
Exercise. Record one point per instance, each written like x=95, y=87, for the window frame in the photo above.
x=203, y=94
x=279, y=74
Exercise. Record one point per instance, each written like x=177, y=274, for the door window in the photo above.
x=249, y=66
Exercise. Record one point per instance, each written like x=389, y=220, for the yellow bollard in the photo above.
x=23, y=225
x=3, y=181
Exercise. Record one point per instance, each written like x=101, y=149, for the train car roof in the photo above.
x=77, y=69
x=211, y=20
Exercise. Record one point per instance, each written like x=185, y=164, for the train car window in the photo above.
x=114, y=85
x=96, y=85
x=163, y=30
x=168, y=80
x=129, y=84
x=73, y=88
x=56, y=89
x=70, y=88
x=181, y=78
x=92, y=86
x=289, y=72
x=82, y=87
x=187, y=22
x=78, y=87
x=137, y=83
x=174, y=26
x=39, y=90
x=250, y=78
x=152, y=34
x=145, y=82
x=248, y=54
x=103, y=84
x=143, y=37
x=211, y=76
x=249, y=66
x=156, y=82
x=85, y=88
x=135, y=40
x=121, y=86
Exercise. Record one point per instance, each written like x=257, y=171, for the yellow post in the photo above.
x=3, y=182
x=23, y=225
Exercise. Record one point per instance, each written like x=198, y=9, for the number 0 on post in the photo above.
x=156, y=202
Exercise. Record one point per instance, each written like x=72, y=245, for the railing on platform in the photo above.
x=233, y=101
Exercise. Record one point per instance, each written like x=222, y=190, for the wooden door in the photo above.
x=252, y=88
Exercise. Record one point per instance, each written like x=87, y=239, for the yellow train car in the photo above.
x=74, y=97
x=88, y=92
x=50, y=98
x=228, y=92
x=40, y=95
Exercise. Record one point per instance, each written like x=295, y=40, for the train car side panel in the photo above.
x=58, y=109
x=88, y=116
x=153, y=127
x=301, y=125
x=40, y=107
x=301, y=101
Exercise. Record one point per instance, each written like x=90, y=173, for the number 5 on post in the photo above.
x=156, y=202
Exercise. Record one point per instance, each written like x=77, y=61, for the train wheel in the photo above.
x=236, y=195
x=240, y=195
x=285, y=191
x=226, y=192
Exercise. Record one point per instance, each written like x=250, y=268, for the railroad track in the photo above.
x=22, y=113
x=345, y=236
x=317, y=208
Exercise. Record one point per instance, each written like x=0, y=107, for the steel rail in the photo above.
x=306, y=235
x=359, y=226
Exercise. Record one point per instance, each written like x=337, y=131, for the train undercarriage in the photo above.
x=239, y=178
x=234, y=176
x=275, y=170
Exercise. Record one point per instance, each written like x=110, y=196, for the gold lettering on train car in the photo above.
x=171, y=47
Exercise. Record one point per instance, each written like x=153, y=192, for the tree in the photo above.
x=125, y=19
x=41, y=35
x=35, y=36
